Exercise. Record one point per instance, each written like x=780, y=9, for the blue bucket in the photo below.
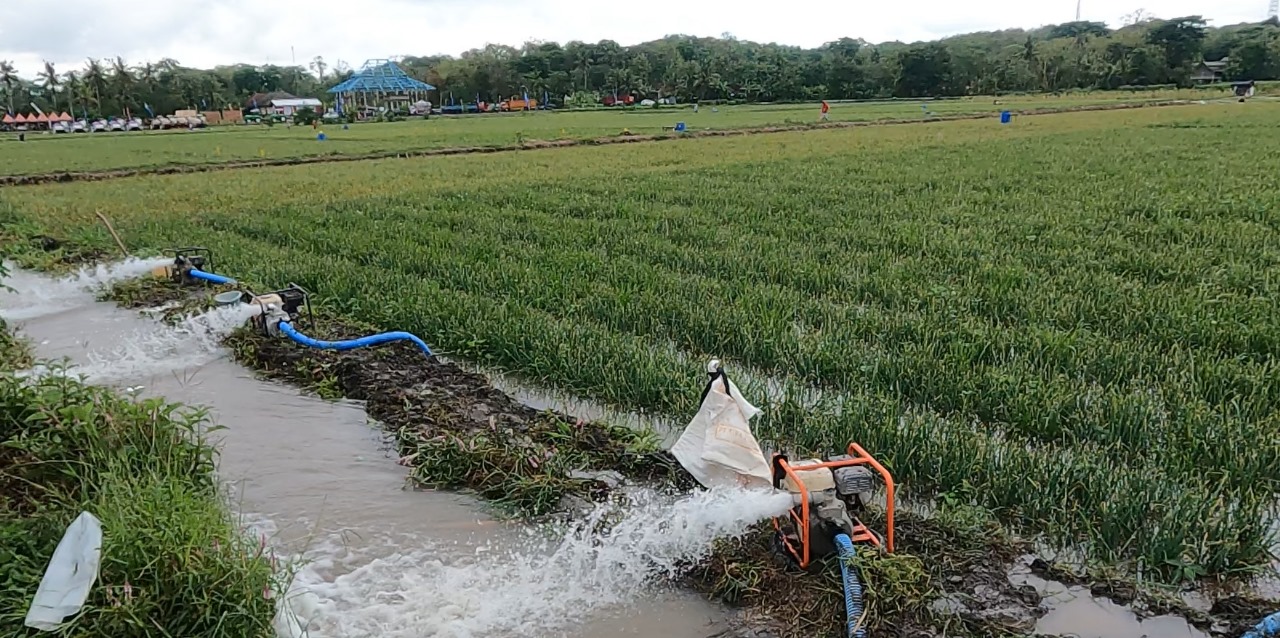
x=679, y=127
x=1005, y=117
x=320, y=137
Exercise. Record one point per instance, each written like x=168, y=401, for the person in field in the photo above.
x=826, y=108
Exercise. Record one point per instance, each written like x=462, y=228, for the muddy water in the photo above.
x=1074, y=611
x=317, y=478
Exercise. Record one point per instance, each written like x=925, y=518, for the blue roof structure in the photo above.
x=381, y=76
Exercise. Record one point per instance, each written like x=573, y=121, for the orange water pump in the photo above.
x=829, y=495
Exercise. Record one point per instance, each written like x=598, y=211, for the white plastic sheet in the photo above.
x=70, y=575
x=718, y=447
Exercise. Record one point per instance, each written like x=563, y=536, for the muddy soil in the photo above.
x=621, y=138
x=941, y=581
x=453, y=429
x=1231, y=614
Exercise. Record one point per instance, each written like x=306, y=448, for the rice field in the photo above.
x=1071, y=321
x=45, y=153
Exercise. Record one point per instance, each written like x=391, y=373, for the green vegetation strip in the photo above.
x=51, y=160
x=1069, y=322
x=173, y=561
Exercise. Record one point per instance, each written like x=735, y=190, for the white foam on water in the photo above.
x=34, y=295
x=158, y=348
x=536, y=587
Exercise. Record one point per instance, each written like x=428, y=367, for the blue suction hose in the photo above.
x=1268, y=628
x=210, y=277
x=292, y=333
x=852, y=588
x=351, y=344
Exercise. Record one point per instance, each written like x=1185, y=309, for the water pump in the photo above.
x=830, y=496
x=291, y=304
x=185, y=260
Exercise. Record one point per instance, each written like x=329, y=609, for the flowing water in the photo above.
x=377, y=558
x=383, y=560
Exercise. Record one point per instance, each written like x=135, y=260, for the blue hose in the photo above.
x=852, y=588
x=351, y=344
x=210, y=277
x=1268, y=628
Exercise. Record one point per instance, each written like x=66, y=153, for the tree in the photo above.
x=51, y=82
x=9, y=78
x=1057, y=57
x=1182, y=41
x=318, y=65
x=95, y=80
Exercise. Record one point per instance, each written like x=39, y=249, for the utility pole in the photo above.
x=1080, y=1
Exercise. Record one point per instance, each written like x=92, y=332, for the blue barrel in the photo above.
x=320, y=137
x=1005, y=117
x=680, y=127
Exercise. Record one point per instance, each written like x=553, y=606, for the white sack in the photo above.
x=717, y=447
x=70, y=575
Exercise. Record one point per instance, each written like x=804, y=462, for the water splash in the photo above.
x=34, y=295
x=537, y=587
x=158, y=348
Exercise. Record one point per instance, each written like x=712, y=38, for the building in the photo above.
x=262, y=101
x=379, y=86
x=289, y=106
x=1208, y=72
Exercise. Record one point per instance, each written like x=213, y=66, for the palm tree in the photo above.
x=122, y=82
x=51, y=82
x=75, y=91
x=95, y=80
x=8, y=77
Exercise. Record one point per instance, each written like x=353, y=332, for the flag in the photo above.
x=204, y=104
x=337, y=105
x=148, y=108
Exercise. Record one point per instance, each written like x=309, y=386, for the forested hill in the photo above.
x=1065, y=56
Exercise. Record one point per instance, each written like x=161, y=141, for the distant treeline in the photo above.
x=1075, y=55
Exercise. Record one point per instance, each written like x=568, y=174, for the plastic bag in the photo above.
x=717, y=447
x=70, y=575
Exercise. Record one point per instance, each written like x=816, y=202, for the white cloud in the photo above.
x=203, y=33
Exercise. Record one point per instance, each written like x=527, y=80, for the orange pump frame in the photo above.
x=861, y=534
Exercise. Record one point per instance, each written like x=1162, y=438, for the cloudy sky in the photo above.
x=205, y=33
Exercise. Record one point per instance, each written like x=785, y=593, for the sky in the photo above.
x=206, y=33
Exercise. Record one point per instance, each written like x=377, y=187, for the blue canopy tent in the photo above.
x=379, y=83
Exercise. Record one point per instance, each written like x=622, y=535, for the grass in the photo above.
x=1068, y=321
x=76, y=153
x=173, y=562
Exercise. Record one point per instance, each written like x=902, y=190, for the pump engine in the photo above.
x=830, y=497
x=184, y=260
x=291, y=304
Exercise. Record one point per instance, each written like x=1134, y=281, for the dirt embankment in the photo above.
x=453, y=429
x=69, y=176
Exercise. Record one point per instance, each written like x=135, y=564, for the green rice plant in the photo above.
x=42, y=154
x=1072, y=318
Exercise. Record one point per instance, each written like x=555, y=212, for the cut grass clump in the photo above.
x=173, y=562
